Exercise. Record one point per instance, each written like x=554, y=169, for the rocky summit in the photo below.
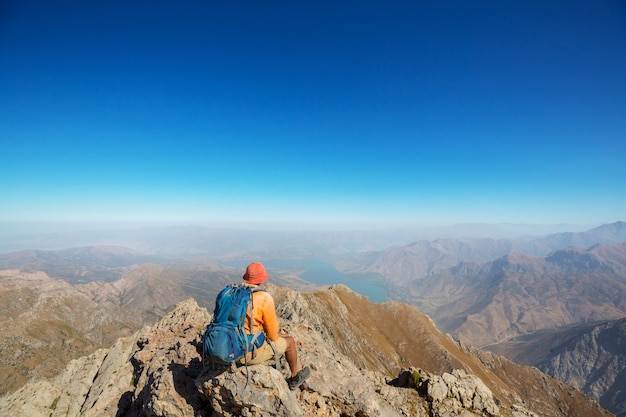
x=159, y=371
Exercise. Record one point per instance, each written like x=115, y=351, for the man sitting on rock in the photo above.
x=264, y=315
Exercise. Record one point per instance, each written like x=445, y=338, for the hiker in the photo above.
x=264, y=315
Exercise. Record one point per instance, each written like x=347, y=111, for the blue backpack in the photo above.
x=225, y=339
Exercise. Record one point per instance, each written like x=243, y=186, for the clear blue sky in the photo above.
x=318, y=112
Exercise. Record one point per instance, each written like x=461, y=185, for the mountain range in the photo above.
x=419, y=259
x=520, y=294
x=510, y=296
x=227, y=243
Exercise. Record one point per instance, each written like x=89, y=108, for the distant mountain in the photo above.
x=420, y=259
x=341, y=336
x=401, y=264
x=519, y=294
x=178, y=242
x=591, y=358
x=235, y=243
x=607, y=234
x=485, y=290
x=78, y=265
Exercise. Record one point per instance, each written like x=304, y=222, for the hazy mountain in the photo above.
x=607, y=234
x=519, y=294
x=486, y=290
x=343, y=337
x=229, y=243
x=400, y=265
x=420, y=259
x=82, y=264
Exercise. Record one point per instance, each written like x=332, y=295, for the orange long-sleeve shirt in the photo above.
x=263, y=315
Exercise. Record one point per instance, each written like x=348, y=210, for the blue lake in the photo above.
x=322, y=273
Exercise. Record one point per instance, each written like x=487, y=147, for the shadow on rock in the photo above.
x=184, y=377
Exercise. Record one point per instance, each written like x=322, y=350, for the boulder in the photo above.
x=252, y=391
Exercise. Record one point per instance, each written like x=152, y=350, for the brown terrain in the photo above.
x=351, y=345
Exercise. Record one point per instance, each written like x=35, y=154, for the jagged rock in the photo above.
x=62, y=396
x=113, y=379
x=457, y=390
x=336, y=387
x=159, y=373
x=252, y=391
x=455, y=394
x=166, y=363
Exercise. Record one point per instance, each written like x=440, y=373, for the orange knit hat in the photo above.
x=255, y=273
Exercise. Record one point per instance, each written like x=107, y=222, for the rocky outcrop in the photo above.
x=89, y=386
x=454, y=394
x=159, y=372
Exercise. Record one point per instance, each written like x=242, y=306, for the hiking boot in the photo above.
x=295, y=381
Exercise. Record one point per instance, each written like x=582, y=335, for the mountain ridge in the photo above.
x=423, y=258
x=164, y=375
x=227, y=243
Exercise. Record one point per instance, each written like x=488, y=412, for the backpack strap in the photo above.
x=256, y=334
x=276, y=355
x=272, y=345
